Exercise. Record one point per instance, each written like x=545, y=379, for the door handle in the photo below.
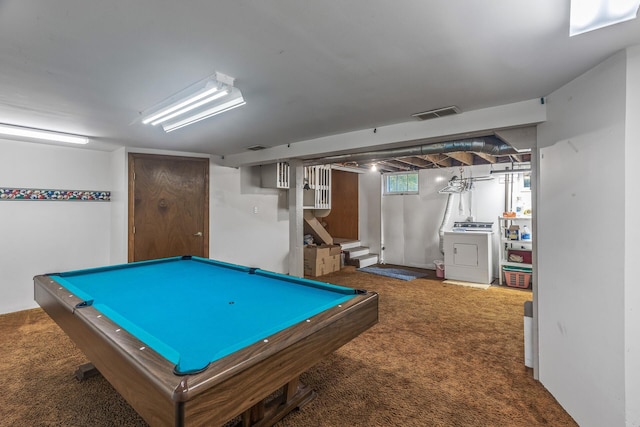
x=198, y=234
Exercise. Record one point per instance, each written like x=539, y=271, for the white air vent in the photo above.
x=439, y=112
x=256, y=148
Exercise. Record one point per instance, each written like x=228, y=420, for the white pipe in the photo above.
x=445, y=221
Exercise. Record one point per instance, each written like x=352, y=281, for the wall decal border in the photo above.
x=37, y=194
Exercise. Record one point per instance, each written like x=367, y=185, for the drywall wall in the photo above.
x=369, y=197
x=49, y=236
x=411, y=223
x=632, y=237
x=581, y=249
x=118, y=250
x=249, y=224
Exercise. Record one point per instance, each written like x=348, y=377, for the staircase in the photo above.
x=355, y=253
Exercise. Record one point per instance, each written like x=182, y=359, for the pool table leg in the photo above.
x=86, y=371
x=268, y=412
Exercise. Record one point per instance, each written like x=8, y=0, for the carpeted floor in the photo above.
x=442, y=355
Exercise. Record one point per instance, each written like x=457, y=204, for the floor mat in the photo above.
x=396, y=273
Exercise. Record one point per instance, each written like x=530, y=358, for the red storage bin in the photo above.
x=525, y=254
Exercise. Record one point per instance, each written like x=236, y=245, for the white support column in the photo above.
x=296, y=232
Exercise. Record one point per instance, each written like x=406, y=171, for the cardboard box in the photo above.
x=333, y=262
x=321, y=260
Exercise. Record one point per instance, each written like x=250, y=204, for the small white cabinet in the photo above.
x=514, y=251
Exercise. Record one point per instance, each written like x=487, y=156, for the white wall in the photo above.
x=46, y=237
x=581, y=246
x=369, y=197
x=632, y=237
x=240, y=235
x=412, y=222
x=119, y=207
x=50, y=236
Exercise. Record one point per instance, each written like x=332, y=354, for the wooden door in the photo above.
x=342, y=222
x=168, y=206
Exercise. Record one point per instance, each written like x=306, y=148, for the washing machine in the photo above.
x=468, y=252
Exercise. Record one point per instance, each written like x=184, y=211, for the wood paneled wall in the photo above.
x=342, y=222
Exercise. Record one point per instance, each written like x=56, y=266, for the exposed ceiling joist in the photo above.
x=385, y=168
x=488, y=157
x=462, y=157
x=397, y=164
x=415, y=161
x=431, y=161
x=439, y=160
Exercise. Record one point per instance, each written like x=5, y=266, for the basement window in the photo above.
x=401, y=183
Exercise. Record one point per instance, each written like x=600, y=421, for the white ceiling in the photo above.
x=306, y=68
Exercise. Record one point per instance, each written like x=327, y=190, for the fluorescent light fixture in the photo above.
x=191, y=107
x=201, y=100
x=589, y=15
x=236, y=100
x=180, y=104
x=46, y=135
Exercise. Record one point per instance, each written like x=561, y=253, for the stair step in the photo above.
x=364, y=260
x=346, y=243
x=357, y=251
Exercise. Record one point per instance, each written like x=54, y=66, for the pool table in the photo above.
x=193, y=341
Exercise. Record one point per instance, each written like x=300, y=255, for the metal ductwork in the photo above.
x=488, y=144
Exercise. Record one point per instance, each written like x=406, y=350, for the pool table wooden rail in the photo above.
x=229, y=386
x=116, y=355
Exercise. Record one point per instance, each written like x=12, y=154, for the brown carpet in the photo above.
x=442, y=355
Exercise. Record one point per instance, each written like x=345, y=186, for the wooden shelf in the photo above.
x=526, y=242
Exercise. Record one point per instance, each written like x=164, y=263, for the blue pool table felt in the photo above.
x=195, y=311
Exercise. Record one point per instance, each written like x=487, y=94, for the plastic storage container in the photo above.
x=517, y=278
x=439, y=268
x=519, y=207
